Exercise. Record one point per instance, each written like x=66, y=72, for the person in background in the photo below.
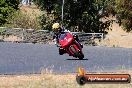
x=26, y=2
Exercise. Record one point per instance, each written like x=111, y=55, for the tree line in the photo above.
x=6, y=8
x=79, y=15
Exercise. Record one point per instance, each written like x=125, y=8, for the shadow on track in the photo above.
x=77, y=59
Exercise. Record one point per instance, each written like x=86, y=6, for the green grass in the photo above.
x=2, y=31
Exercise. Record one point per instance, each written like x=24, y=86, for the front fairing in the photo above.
x=65, y=39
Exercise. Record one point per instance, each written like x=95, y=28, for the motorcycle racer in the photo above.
x=58, y=30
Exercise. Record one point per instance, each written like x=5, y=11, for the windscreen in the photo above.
x=62, y=36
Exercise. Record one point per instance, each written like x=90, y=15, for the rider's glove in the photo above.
x=58, y=45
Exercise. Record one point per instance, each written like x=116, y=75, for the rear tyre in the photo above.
x=81, y=55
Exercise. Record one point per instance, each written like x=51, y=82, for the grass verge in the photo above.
x=50, y=81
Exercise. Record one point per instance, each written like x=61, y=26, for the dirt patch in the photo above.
x=32, y=11
x=12, y=38
x=1, y=37
x=117, y=37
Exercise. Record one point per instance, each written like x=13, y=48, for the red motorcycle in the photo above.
x=70, y=45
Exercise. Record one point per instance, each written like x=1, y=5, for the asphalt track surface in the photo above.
x=33, y=58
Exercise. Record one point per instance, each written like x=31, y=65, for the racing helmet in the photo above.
x=55, y=26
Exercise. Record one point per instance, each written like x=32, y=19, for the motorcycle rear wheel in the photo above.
x=80, y=55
